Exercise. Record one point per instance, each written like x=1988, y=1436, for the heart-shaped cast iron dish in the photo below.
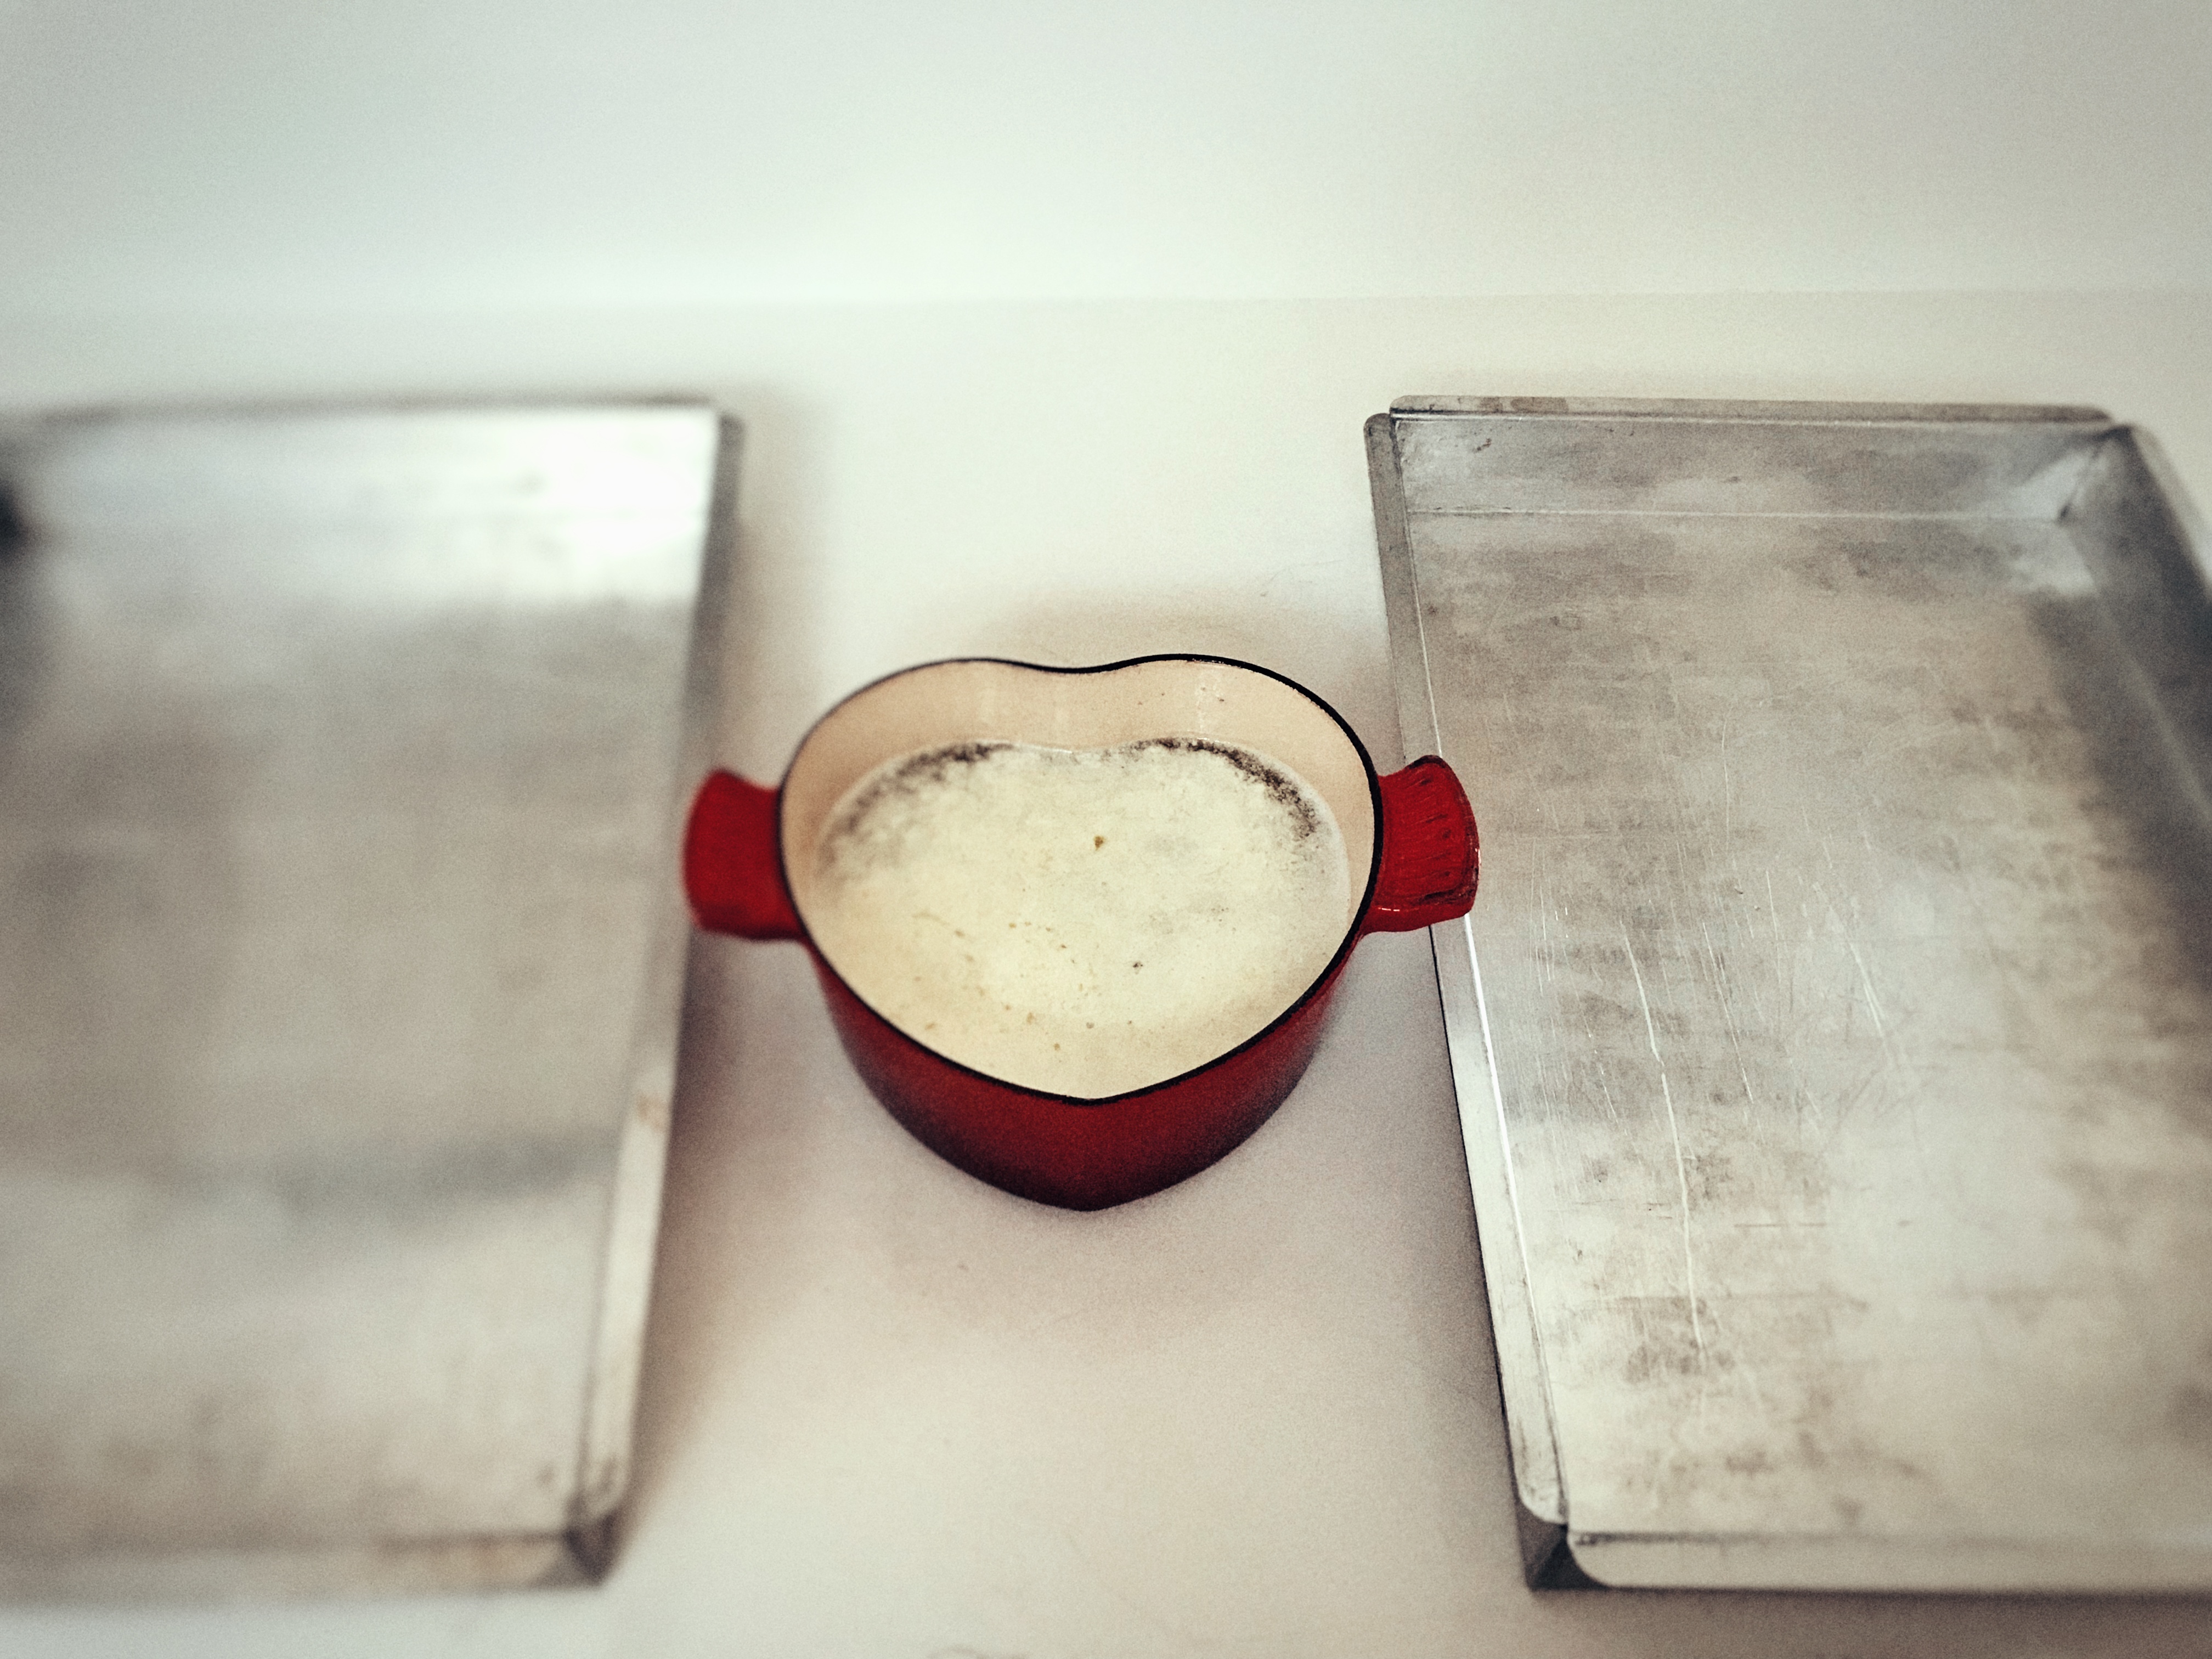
x=1410, y=839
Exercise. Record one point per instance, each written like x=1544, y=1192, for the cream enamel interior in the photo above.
x=977, y=701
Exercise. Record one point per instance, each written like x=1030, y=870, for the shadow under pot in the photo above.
x=1078, y=928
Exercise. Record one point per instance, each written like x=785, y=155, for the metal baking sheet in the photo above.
x=1833, y=1034
x=340, y=963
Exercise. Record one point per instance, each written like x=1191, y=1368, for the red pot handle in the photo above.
x=730, y=870
x=1431, y=855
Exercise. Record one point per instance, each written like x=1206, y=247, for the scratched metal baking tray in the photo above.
x=340, y=959
x=1833, y=1035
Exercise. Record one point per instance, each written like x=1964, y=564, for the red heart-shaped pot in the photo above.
x=1409, y=838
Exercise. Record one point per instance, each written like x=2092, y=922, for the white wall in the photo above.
x=246, y=155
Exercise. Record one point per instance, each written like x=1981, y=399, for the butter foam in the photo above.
x=1080, y=921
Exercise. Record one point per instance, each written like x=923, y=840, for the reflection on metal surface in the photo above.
x=1837, y=1074
x=340, y=951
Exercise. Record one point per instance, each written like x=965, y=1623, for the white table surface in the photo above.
x=890, y=1411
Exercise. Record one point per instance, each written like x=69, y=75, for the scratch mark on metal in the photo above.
x=1785, y=985
x=1728, y=1015
x=1728, y=788
x=1896, y=1064
x=1873, y=1002
x=1674, y=1135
